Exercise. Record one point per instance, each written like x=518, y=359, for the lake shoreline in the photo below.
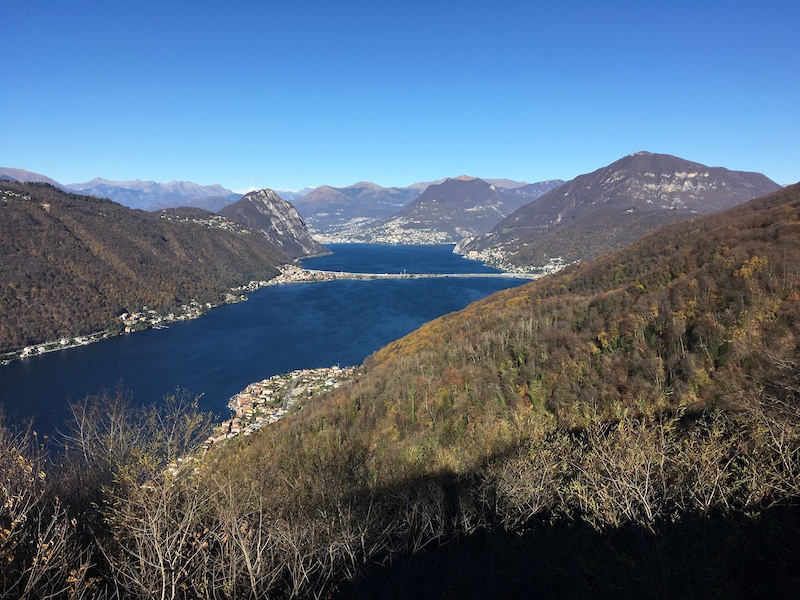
x=133, y=323
x=279, y=329
x=149, y=319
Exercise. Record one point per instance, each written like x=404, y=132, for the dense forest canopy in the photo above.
x=71, y=264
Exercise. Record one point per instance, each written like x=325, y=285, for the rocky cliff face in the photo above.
x=266, y=212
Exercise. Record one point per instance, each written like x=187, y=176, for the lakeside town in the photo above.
x=267, y=401
x=498, y=258
x=357, y=231
x=297, y=274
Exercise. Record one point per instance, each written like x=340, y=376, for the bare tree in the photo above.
x=247, y=561
x=157, y=536
x=39, y=555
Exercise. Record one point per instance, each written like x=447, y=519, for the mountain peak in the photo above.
x=449, y=211
x=266, y=212
x=366, y=184
x=611, y=206
x=263, y=195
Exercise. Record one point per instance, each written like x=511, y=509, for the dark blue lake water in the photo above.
x=280, y=328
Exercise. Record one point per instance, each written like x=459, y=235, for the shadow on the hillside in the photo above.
x=702, y=557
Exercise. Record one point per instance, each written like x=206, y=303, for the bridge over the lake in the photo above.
x=297, y=274
x=327, y=275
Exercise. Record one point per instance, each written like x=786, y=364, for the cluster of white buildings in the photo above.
x=6, y=195
x=250, y=287
x=67, y=342
x=295, y=274
x=144, y=319
x=211, y=221
x=266, y=401
x=150, y=318
x=406, y=231
x=498, y=258
x=397, y=231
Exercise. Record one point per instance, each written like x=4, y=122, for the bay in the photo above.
x=279, y=329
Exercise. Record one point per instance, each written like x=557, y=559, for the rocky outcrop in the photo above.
x=266, y=212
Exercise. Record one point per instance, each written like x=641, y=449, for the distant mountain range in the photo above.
x=326, y=210
x=454, y=209
x=144, y=195
x=352, y=212
x=329, y=209
x=500, y=221
x=149, y=195
x=292, y=195
x=364, y=211
x=612, y=206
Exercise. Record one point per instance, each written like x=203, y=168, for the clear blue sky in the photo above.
x=288, y=94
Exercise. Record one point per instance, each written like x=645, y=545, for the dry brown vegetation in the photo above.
x=70, y=264
x=629, y=427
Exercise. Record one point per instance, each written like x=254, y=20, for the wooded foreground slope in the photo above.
x=70, y=264
x=627, y=422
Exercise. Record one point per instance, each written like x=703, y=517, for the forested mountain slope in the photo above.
x=695, y=316
x=70, y=264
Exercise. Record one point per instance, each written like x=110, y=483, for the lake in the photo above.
x=279, y=329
